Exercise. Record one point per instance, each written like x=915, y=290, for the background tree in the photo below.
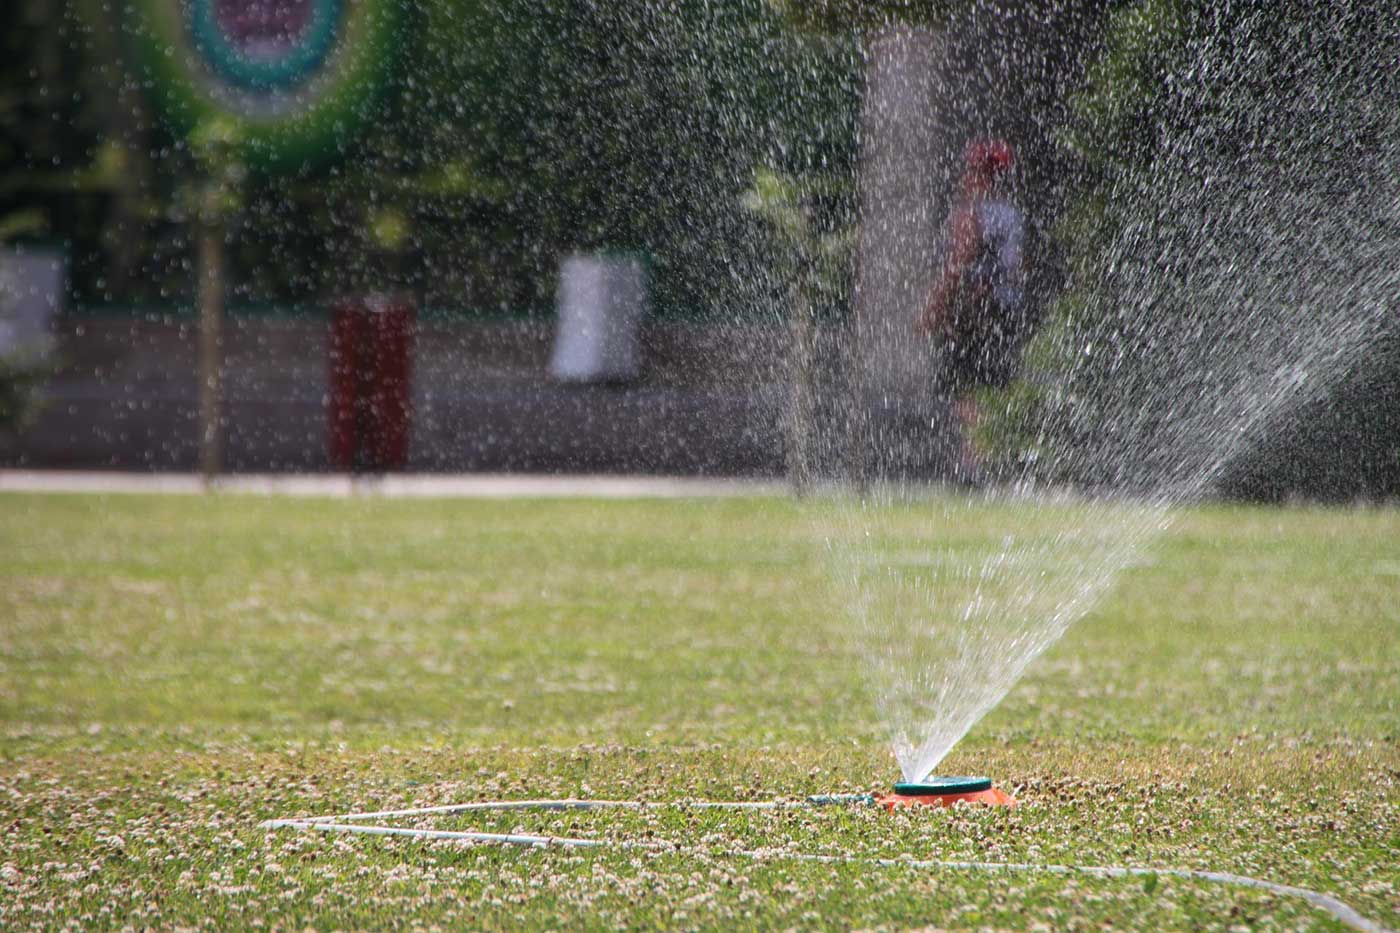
x=1228, y=198
x=521, y=130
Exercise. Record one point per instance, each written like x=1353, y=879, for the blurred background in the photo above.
x=519, y=235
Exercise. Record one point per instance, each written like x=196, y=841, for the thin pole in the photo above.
x=211, y=320
x=801, y=416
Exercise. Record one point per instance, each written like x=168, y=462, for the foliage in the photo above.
x=19, y=381
x=630, y=126
x=838, y=15
x=1191, y=113
x=519, y=130
x=1111, y=135
x=217, y=147
x=22, y=223
x=810, y=240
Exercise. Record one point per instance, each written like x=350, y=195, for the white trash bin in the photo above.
x=601, y=300
x=32, y=284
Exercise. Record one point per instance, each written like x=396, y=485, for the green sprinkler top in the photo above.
x=937, y=786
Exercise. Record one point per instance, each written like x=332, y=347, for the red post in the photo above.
x=370, y=416
x=346, y=339
x=392, y=327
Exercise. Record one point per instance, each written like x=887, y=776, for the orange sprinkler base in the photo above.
x=994, y=797
x=945, y=792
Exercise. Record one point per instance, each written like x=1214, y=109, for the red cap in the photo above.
x=990, y=157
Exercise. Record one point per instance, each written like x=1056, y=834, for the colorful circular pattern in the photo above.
x=299, y=77
x=264, y=44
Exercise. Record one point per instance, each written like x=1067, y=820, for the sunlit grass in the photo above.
x=174, y=670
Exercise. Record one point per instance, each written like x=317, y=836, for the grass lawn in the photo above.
x=173, y=670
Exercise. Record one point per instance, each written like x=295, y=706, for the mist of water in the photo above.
x=790, y=168
x=1251, y=268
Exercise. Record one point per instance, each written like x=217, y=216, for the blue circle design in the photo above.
x=303, y=58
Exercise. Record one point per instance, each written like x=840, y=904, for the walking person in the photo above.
x=976, y=307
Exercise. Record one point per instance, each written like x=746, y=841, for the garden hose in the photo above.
x=355, y=823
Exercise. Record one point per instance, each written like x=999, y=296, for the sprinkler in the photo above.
x=944, y=792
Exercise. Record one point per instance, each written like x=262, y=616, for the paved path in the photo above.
x=424, y=486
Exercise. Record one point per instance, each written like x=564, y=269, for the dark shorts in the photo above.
x=985, y=351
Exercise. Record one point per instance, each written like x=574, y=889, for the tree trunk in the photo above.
x=211, y=319
x=801, y=417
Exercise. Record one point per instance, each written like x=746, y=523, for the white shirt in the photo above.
x=1003, y=232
